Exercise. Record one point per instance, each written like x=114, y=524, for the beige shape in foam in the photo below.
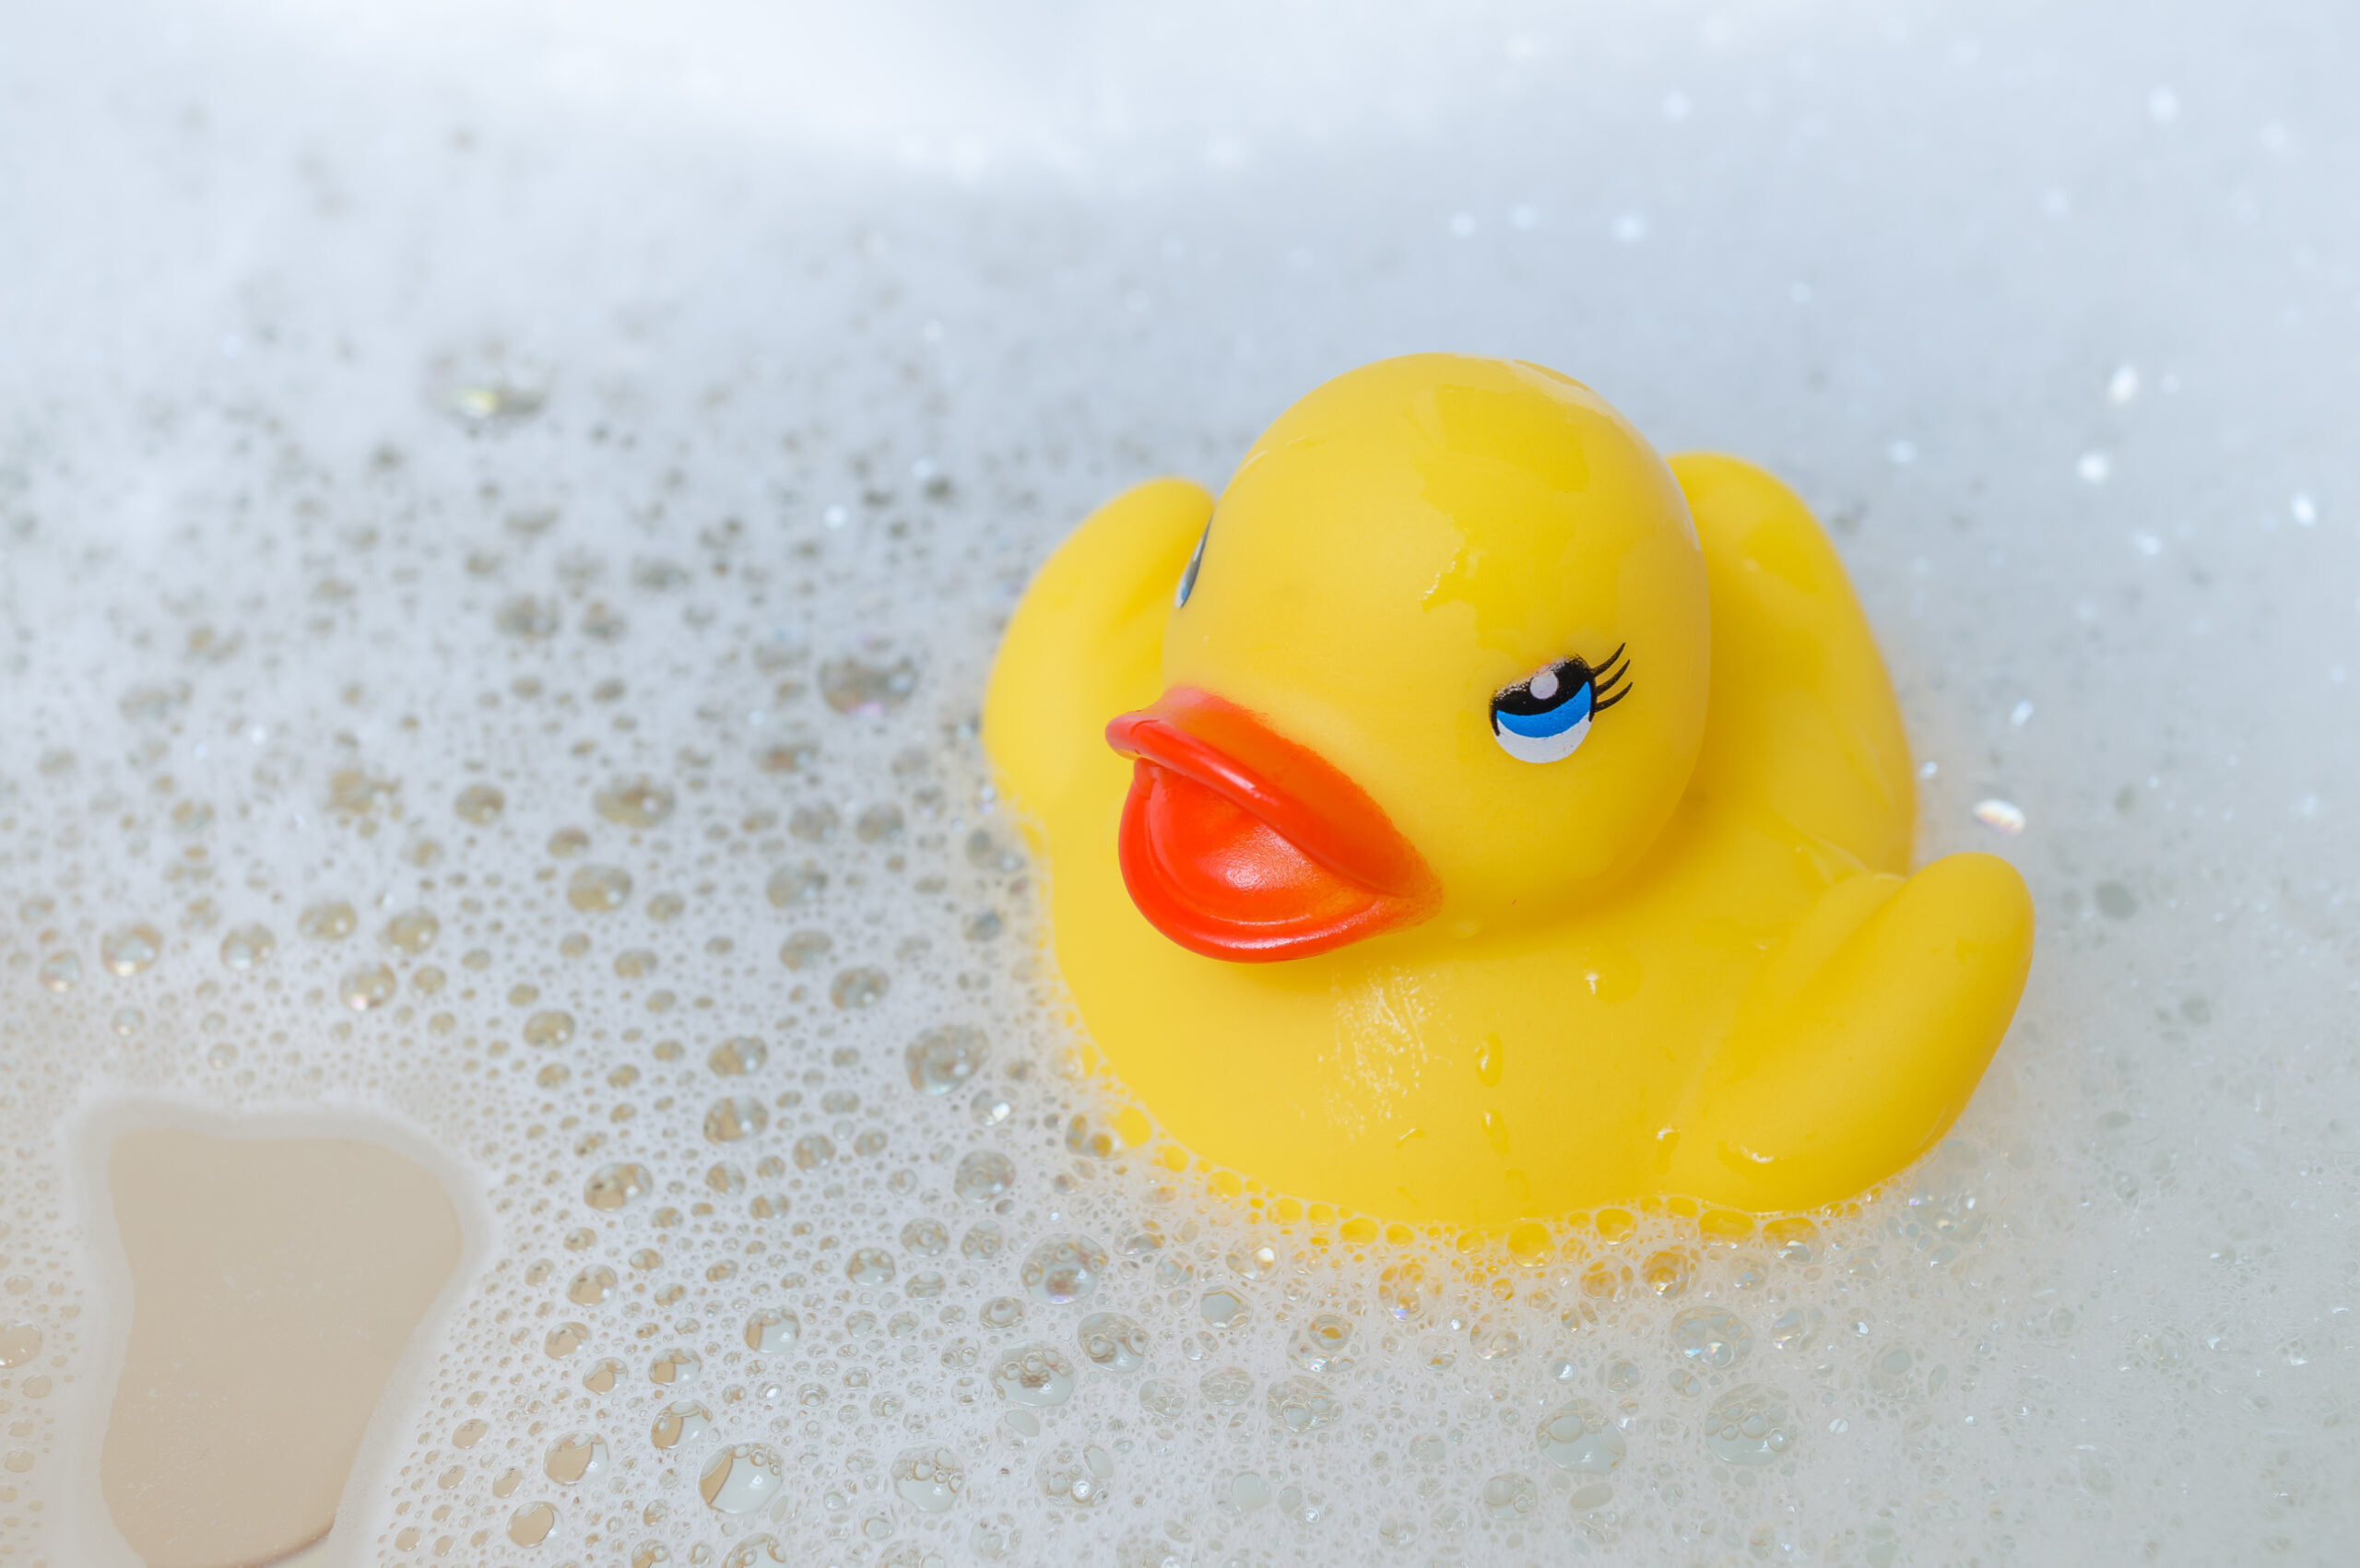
x=275, y=1283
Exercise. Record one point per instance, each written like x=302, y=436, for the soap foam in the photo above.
x=557, y=501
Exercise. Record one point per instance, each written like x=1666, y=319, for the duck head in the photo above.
x=1439, y=662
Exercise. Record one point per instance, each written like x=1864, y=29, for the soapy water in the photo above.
x=504, y=548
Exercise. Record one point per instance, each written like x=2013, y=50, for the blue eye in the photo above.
x=1189, y=572
x=1546, y=717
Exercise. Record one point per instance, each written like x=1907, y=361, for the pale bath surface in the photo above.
x=274, y=1285
x=504, y=514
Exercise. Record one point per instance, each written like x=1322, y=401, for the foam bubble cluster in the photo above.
x=498, y=663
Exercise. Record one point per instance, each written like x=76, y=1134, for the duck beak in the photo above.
x=1238, y=843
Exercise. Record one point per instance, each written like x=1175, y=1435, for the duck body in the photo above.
x=1497, y=821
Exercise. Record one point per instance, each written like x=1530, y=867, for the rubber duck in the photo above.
x=1472, y=816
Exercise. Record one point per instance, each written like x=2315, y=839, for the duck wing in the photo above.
x=1086, y=644
x=1802, y=721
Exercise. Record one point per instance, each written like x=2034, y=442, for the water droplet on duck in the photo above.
x=1488, y=1062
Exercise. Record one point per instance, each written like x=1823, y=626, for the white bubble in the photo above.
x=1064, y=1268
x=740, y=1479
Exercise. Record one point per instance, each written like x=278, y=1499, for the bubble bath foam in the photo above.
x=503, y=521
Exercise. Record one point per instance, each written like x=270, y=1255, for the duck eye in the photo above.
x=1546, y=717
x=1189, y=572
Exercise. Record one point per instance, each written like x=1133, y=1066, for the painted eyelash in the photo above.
x=1609, y=683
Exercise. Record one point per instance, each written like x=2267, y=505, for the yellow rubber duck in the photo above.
x=1474, y=817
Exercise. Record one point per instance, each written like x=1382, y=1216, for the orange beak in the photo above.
x=1238, y=843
